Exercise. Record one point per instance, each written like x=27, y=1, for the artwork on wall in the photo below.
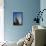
x=40, y=16
x=17, y=18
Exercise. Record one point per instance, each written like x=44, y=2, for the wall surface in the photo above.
x=43, y=6
x=1, y=20
x=28, y=7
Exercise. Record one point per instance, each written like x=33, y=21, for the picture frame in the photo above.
x=17, y=18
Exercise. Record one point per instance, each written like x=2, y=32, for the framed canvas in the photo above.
x=17, y=18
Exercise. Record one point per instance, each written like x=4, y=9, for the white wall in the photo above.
x=1, y=20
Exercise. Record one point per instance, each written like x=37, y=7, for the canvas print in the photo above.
x=17, y=18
